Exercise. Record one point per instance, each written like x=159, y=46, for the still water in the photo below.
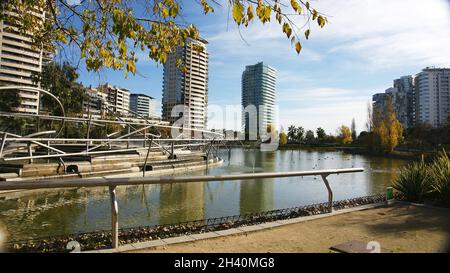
x=45, y=213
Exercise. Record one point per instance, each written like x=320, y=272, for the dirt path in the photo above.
x=400, y=228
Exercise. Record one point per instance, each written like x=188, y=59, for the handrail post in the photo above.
x=146, y=157
x=172, y=153
x=128, y=142
x=88, y=133
x=145, y=137
x=330, y=192
x=114, y=217
x=30, y=152
x=3, y=143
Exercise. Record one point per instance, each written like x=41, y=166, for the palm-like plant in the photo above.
x=414, y=182
x=292, y=131
x=440, y=173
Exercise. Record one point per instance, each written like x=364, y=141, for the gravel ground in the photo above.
x=399, y=228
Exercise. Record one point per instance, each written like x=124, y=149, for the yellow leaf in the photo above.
x=307, y=32
x=174, y=11
x=164, y=12
x=250, y=14
x=131, y=67
x=314, y=13
x=267, y=12
x=298, y=47
x=287, y=29
x=321, y=21
x=238, y=12
x=294, y=4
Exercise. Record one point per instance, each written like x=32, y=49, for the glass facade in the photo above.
x=258, y=98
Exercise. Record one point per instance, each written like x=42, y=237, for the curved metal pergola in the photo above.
x=143, y=122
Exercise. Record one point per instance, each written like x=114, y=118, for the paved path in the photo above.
x=399, y=228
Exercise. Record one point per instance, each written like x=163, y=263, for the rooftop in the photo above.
x=141, y=95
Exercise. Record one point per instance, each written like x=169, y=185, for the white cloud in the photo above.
x=258, y=41
x=328, y=116
x=312, y=94
x=326, y=107
x=387, y=33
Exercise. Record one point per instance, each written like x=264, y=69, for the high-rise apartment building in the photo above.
x=401, y=98
x=258, y=98
x=404, y=101
x=432, y=88
x=19, y=60
x=379, y=101
x=187, y=90
x=424, y=99
x=117, y=99
x=143, y=105
x=94, y=102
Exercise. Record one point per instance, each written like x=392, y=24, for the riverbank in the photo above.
x=397, y=228
x=406, y=155
x=101, y=239
x=397, y=154
x=400, y=153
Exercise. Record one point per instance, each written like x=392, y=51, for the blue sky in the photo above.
x=366, y=45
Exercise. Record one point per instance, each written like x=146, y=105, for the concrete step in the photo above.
x=130, y=157
x=152, y=167
x=116, y=171
x=11, y=169
x=6, y=176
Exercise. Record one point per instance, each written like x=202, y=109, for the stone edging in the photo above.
x=232, y=231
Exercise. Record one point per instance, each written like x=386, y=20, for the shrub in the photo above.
x=440, y=174
x=413, y=182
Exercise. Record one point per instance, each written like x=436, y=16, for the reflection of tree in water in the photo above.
x=257, y=195
x=42, y=214
x=181, y=202
x=382, y=172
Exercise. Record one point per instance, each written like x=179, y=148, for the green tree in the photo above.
x=60, y=80
x=320, y=134
x=292, y=132
x=108, y=33
x=299, y=134
x=309, y=136
x=10, y=99
x=109, y=128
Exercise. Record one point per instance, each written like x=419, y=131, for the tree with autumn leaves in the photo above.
x=386, y=131
x=109, y=33
x=344, y=134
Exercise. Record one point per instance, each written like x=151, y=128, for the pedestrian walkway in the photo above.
x=399, y=228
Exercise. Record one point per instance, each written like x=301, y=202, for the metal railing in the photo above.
x=135, y=123
x=112, y=183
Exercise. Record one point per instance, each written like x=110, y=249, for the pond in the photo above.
x=35, y=214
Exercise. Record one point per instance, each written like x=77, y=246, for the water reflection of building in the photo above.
x=257, y=195
x=42, y=213
x=181, y=202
